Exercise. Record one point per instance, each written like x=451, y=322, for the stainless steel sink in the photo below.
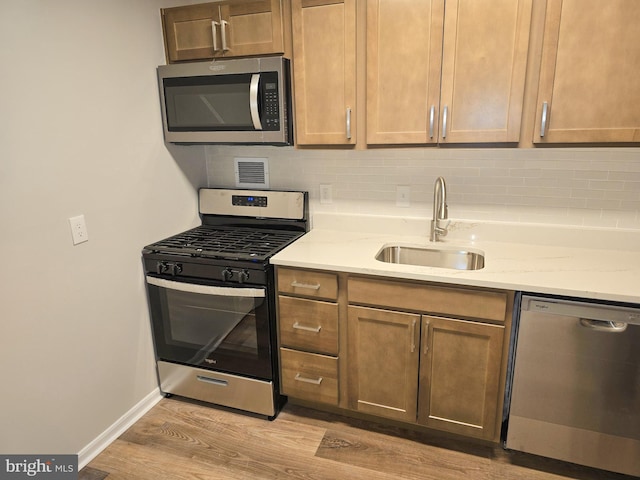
x=456, y=258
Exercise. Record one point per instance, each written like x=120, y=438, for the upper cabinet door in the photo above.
x=226, y=29
x=404, y=53
x=324, y=57
x=589, y=88
x=251, y=28
x=188, y=32
x=453, y=75
x=483, y=70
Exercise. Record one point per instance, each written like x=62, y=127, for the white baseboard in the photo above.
x=103, y=440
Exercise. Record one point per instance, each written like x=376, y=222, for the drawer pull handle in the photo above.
x=310, y=286
x=297, y=326
x=213, y=381
x=315, y=381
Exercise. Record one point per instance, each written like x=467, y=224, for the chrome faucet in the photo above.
x=440, y=210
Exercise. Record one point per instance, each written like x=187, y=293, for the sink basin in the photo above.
x=447, y=257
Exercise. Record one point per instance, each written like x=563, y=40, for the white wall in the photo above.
x=80, y=133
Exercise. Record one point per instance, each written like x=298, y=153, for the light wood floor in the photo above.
x=179, y=439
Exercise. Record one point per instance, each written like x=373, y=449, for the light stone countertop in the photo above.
x=590, y=263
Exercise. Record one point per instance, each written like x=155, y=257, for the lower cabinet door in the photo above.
x=460, y=365
x=383, y=357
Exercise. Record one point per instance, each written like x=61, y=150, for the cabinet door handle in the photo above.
x=297, y=326
x=214, y=31
x=348, y=123
x=223, y=33
x=426, y=337
x=543, y=121
x=315, y=381
x=445, y=114
x=432, y=119
x=413, y=335
x=310, y=286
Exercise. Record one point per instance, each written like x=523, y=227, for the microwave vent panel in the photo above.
x=252, y=172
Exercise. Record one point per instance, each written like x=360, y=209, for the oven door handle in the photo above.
x=206, y=289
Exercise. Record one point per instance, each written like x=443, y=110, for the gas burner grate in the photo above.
x=217, y=242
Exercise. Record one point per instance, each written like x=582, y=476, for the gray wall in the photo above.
x=80, y=133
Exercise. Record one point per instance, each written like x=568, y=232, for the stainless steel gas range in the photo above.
x=211, y=294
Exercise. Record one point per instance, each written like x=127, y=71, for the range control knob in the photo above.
x=175, y=268
x=243, y=276
x=227, y=274
x=161, y=267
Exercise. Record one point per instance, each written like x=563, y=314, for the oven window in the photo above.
x=228, y=331
x=208, y=323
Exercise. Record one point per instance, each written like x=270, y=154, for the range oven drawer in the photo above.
x=244, y=393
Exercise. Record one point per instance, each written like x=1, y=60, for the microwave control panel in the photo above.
x=270, y=109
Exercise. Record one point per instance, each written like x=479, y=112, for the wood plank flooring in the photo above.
x=179, y=439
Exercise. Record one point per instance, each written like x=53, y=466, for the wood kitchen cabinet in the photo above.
x=460, y=367
x=422, y=353
x=223, y=29
x=589, y=90
x=454, y=76
x=383, y=362
x=429, y=354
x=324, y=74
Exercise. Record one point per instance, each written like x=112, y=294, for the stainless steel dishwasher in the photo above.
x=575, y=394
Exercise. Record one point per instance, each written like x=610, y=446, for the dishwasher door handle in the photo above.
x=603, y=325
x=594, y=314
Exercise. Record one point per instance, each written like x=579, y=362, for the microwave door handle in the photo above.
x=253, y=101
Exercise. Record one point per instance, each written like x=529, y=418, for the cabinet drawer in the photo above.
x=454, y=301
x=309, y=376
x=309, y=325
x=307, y=283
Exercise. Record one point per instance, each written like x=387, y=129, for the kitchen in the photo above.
x=69, y=150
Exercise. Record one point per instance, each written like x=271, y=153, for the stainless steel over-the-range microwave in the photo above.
x=245, y=101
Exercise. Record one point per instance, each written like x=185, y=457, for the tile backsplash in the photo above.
x=575, y=186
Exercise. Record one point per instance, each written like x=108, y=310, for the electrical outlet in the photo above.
x=403, y=192
x=79, y=232
x=326, y=194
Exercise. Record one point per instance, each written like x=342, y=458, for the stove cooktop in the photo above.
x=239, y=243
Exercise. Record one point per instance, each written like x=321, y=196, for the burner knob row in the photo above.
x=168, y=267
x=228, y=275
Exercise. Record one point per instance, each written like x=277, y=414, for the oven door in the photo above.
x=213, y=326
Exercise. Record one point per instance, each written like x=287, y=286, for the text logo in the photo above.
x=50, y=467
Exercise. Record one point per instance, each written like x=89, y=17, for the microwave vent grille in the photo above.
x=252, y=172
